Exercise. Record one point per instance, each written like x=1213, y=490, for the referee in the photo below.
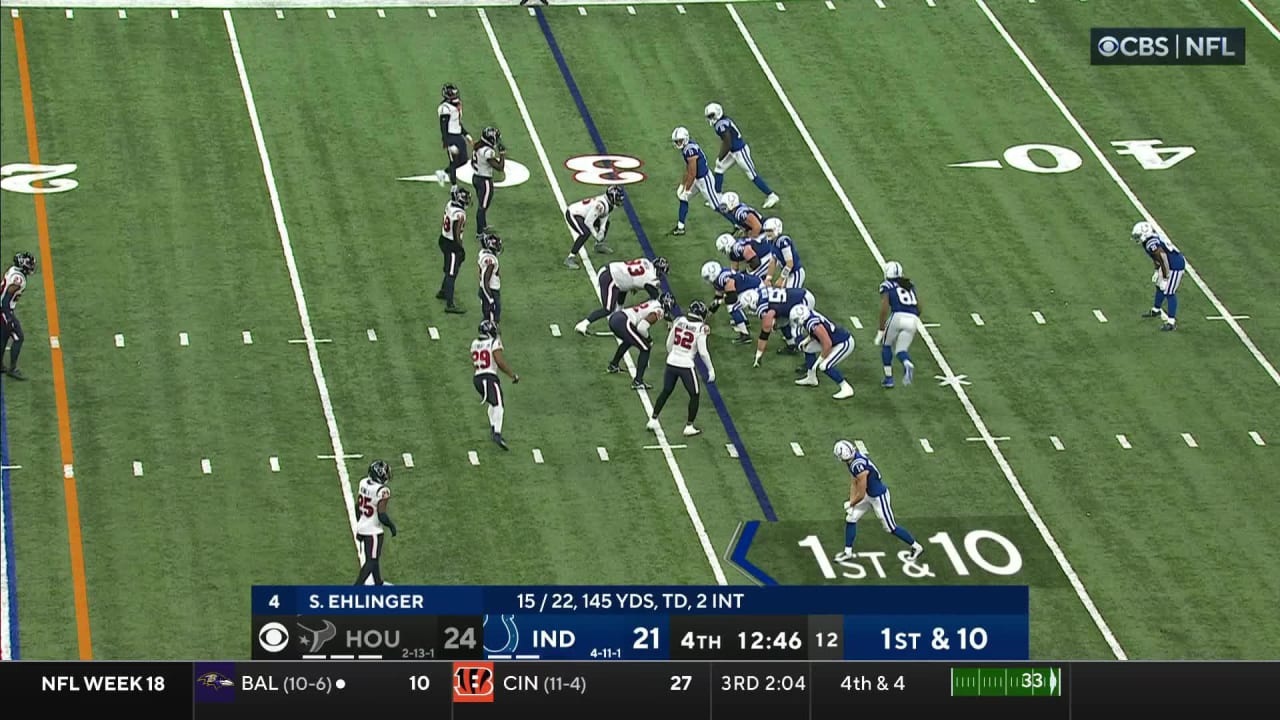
x=685, y=344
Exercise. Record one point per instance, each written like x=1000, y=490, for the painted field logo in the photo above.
x=515, y=174
x=606, y=169
x=1167, y=46
x=22, y=178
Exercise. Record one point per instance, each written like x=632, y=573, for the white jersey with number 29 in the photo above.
x=482, y=359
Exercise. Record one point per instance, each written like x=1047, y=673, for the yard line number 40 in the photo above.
x=1056, y=159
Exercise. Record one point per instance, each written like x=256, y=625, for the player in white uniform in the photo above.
x=453, y=136
x=617, y=279
x=631, y=327
x=371, y=518
x=590, y=218
x=686, y=343
x=451, y=229
x=11, y=287
x=487, y=359
x=490, y=282
x=490, y=155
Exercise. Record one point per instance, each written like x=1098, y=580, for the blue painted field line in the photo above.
x=11, y=567
x=742, y=547
x=732, y=431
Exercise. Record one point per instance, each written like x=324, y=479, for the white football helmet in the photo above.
x=800, y=314
x=729, y=201
x=714, y=112
x=844, y=450
x=773, y=227
x=680, y=136
x=892, y=270
x=724, y=243
x=749, y=299
x=711, y=270
x=1142, y=231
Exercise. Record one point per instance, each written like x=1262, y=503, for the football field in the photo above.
x=235, y=216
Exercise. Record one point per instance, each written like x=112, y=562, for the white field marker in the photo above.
x=781, y=7
x=382, y=13
x=54, y=342
x=1124, y=442
x=331, y=14
x=68, y=471
x=831, y=5
x=173, y=14
x=555, y=330
x=532, y=11
x=1275, y=33
x=1057, y=444
x=931, y=3
x=13, y=12
x=274, y=463
x=407, y=458
x=372, y=335
x=677, y=475
x=119, y=340
x=206, y=467
x=123, y=15
x=183, y=339
x=1039, y=318
x=247, y=337
x=880, y=4
x=680, y=9
x=733, y=450
x=1189, y=439
x=335, y=457
x=582, y=10
x=1223, y=317
x=537, y=456
x=432, y=13
x=924, y=443
x=279, y=14
x=931, y=325
x=996, y=438
x=862, y=448
x=603, y=453
x=977, y=319
x=70, y=14
x=1256, y=438
x=631, y=10
x=434, y=333
x=137, y=468
x=303, y=341
x=473, y=457
x=1098, y=314
x=10, y=467
x=795, y=448
x=664, y=447
x=857, y=324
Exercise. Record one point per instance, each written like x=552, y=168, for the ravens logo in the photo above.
x=215, y=680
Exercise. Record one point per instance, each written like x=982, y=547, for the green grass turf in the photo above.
x=172, y=191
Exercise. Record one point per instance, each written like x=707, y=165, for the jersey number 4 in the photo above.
x=364, y=507
x=481, y=359
x=684, y=338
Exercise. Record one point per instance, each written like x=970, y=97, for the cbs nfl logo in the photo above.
x=1167, y=46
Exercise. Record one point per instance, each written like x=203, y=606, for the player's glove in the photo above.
x=723, y=164
x=1155, y=277
x=683, y=194
x=715, y=304
x=822, y=364
x=879, y=337
x=1163, y=285
x=711, y=376
x=515, y=379
x=848, y=505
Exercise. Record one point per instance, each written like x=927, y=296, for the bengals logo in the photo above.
x=473, y=682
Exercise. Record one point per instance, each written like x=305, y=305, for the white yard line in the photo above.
x=1271, y=27
x=1124, y=187
x=677, y=475
x=295, y=280
x=974, y=417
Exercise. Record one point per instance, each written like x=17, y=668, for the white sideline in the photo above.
x=589, y=268
x=983, y=432
x=1271, y=27
x=320, y=4
x=309, y=335
x=1128, y=192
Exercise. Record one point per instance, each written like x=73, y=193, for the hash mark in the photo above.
x=555, y=330
x=930, y=3
x=54, y=342
x=119, y=340
x=733, y=449
x=279, y=14
x=68, y=471
x=880, y=4
x=924, y=443
x=781, y=7
x=631, y=10
x=122, y=14
x=408, y=459
x=537, y=456
x=173, y=14
x=582, y=10
x=1189, y=440
x=473, y=457
x=1098, y=314
x=603, y=453
x=13, y=12
x=137, y=468
x=434, y=333
x=1057, y=444
x=680, y=9
x=1124, y=442
x=1039, y=318
x=183, y=339
x=70, y=14
x=977, y=319
x=274, y=462
x=331, y=14
x=382, y=13
x=372, y=334
x=206, y=467
x=857, y=324
x=1257, y=439
x=831, y=5
x=795, y=448
x=247, y=337
x=432, y=13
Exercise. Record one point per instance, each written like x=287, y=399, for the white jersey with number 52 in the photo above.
x=371, y=493
x=633, y=274
x=686, y=341
x=482, y=359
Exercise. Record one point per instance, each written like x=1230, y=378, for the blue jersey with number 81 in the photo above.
x=901, y=300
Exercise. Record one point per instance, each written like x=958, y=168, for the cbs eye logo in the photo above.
x=1108, y=46
x=273, y=637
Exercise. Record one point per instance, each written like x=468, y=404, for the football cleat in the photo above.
x=809, y=379
x=15, y=373
x=843, y=555
x=908, y=372
x=613, y=369
x=1169, y=327
x=571, y=262
x=582, y=324
x=888, y=383
x=497, y=438
x=677, y=230
x=743, y=339
x=690, y=431
x=1153, y=312
x=788, y=350
x=653, y=424
x=846, y=391
x=640, y=385
x=602, y=249
x=770, y=201
x=454, y=310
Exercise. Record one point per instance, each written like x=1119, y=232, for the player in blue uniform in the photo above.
x=734, y=150
x=773, y=306
x=899, y=322
x=756, y=255
x=728, y=285
x=1170, y=265
x=827, y=345
x=786, y=258
x=748, y=220
x=867, y=491
x=697, y=177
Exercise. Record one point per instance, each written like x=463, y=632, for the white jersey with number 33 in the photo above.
x=371, y=493
x=482, y=359
x=633, y=274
